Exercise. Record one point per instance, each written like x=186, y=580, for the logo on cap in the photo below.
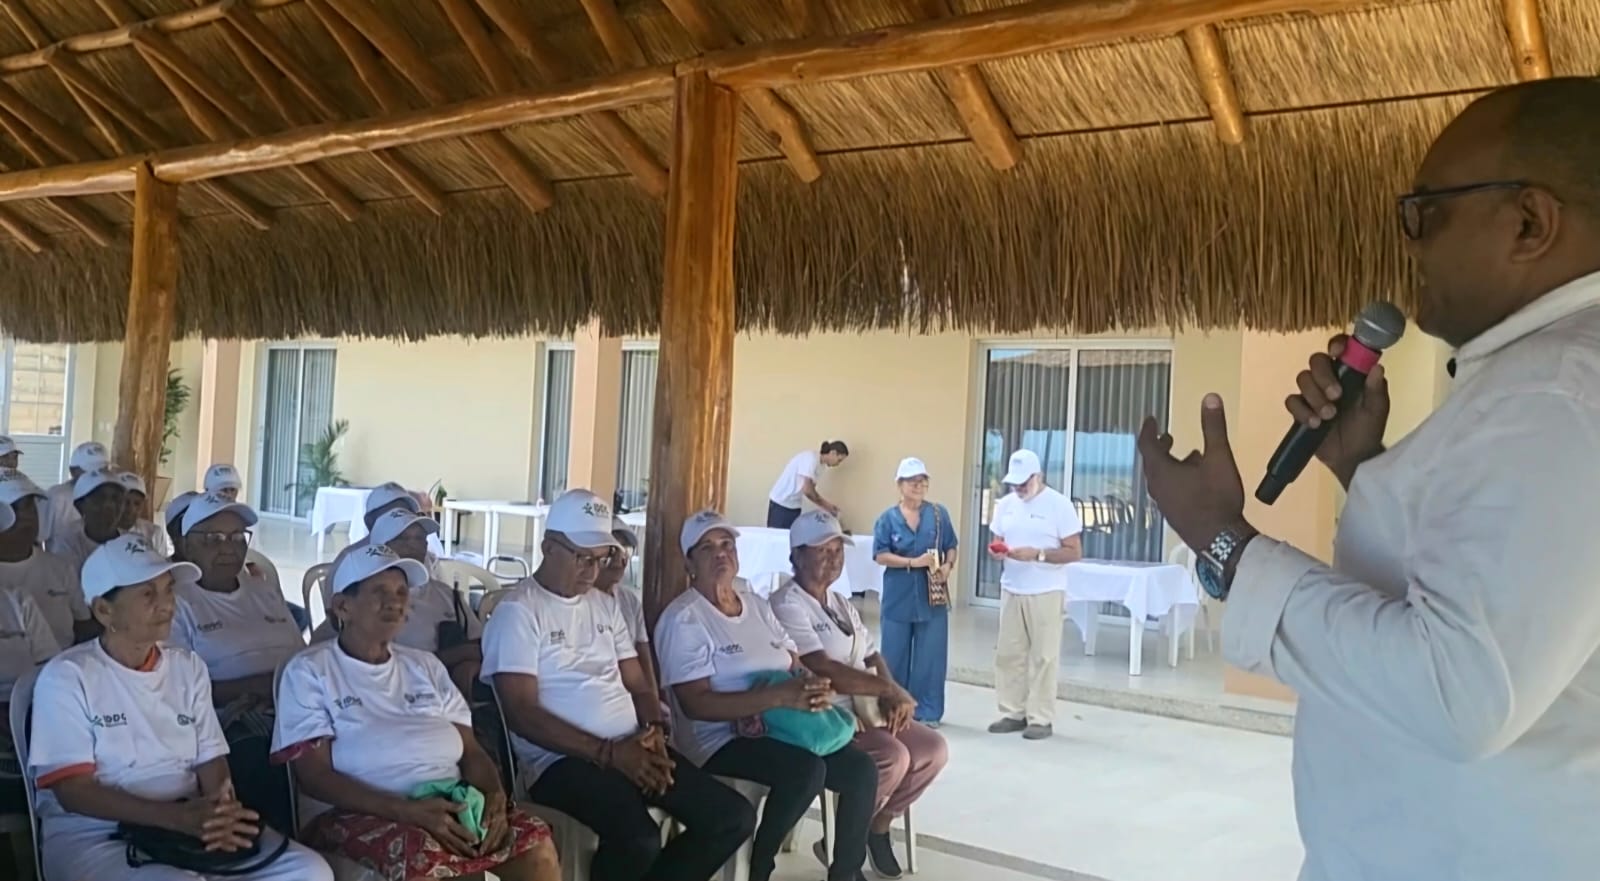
x=706, y=517
x=134, y=545
x=596, y=508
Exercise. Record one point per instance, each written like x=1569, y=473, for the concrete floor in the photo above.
x=1114, y=796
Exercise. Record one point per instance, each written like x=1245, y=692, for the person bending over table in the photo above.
x=834, y=643
x=51, y=580
x=711, y=639
x=799, y=482
x=237, y=621
x=378, y=731
x=915, y=542
x=124, y=731
x=586, y=719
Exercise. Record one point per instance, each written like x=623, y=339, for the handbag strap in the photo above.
x=135, y=859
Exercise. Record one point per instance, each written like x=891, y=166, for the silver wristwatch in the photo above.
x=1212, y=567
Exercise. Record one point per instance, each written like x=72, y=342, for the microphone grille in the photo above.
x=1380, y=325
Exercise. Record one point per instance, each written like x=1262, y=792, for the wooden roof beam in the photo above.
x=29, y=238
x=118, y=36
x=1210, y=60
x=777, y=117
x=242, y=24
x=146, y=129
x=621, y=45
x=317, y=142
x=975, y=104
x=1530, y=55
x=514, y=168
x=160, y=51
x=36, y=35
x=618, y=137
x=75, y=214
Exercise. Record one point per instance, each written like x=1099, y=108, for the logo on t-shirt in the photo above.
x=420, y=697
x=559, y=637
x=12, y=634
x=109, y=720
x=209, y=626
x=186, y=720
x=731, y=648
x=276, y=619
x=56, y=592
x=345, y=703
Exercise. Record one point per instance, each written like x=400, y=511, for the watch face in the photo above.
x=1211, y=579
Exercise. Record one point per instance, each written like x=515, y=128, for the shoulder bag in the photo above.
x=149, y=845
x=938, y=586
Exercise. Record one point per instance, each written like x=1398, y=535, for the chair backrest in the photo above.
x=316, y=579
x=1182, y=555
x=486, y=606
x=253, y=556
x=21, y=712
x=462, y=575
x=288, y=767
x=508, y=751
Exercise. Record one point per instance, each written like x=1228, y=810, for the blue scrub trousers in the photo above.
x=917, y=653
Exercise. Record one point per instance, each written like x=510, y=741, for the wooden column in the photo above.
x=596, y=417
x=152, y=316
x=694, y=382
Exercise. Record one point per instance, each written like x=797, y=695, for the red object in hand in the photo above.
x=998, y=547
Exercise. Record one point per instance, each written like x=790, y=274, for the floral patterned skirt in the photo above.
x=399, y=852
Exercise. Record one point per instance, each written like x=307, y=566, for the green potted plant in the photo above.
x=319, y=463
x=178, y=394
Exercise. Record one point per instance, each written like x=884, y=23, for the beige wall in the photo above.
x=95, y=387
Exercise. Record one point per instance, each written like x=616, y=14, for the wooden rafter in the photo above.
x=146, y=129
x=46, y=141
x=974, y=103
x=1210, y=60
x=1529, y=52
x=514, y=168
x=777, y=117
x=119, y=36
x=36, y=35
x=160, y=52
x=621, y=45
x=76, y=214
x=618, y=137
x=242, y=24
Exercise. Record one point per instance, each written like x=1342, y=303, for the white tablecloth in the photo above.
x=339, y=504
x=764, y=554
x=1153, y=590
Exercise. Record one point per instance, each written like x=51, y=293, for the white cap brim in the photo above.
x=182, y=573
x=696, y=535
x=429, y=527
x=592, y=539
x=416, y=574
x=1019, y=476
x=197, y=512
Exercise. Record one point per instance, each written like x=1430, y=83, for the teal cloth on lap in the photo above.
x=821, y=733
x=460, y=792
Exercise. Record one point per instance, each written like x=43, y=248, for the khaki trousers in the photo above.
x=1027, y=657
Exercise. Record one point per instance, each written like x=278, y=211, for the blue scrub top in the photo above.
x=905, y=591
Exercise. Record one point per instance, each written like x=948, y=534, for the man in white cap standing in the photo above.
x=10, y=456
x=25, y=567
x=59, y=515
x=223, y=480
x=1037, y=533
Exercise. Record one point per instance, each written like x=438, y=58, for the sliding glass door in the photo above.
x=297, y=409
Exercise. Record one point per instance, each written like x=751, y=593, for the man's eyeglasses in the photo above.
x=1413, y=205
x=222, y=538
x=584, y=558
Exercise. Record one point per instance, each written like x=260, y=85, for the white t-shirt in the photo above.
x=25, y=638
x=1043, y=523
x=812, y=630
x=57, y=514
x=393, y=724
x=73, y=545
x=572, y=645
x=143, y=732
x=695, y=641
x=789, y=490
x=632, y=606
x=432, y=604
x=248, y=632
x=53, y=583
x=154, y=536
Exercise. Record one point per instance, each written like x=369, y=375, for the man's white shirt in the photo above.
x=247, y=632
x=1043, y=523
x=1449, y=716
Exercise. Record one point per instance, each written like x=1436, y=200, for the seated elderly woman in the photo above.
x=99, y=498
x=712, y=640
x=237, y=621
x=124, y=733
x=25, y=643
x=133, y=518
x=52, y=581
x=378, y=731
x=835, y=643
x=173, y=517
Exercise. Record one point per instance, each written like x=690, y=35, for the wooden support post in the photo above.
x=1529, y=52
x=694, y=382
x=152, y=318
x=1210, y=60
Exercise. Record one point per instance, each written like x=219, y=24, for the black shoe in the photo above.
x=880, y=852
x=1007, y=725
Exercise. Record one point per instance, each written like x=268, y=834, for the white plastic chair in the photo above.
x=316, y=579
x=260, y=560
x=1182, y=555
x=21, y=707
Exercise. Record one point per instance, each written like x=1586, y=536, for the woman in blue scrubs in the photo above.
x=915, y=541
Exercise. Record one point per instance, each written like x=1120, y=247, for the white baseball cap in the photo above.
x=389, y=526
x=220, y=477
x=584, y=518
x=132, y=482
x=89, y=456
x=696, y=527
x=178, y=505
x=910, y=467
x=1024, y=464
x=814, y=528
x=125, y=560
x=360, y=562
x=16, y=486
x=89, y=481
x=7, y=445
x=388, y=493
x=204, y=507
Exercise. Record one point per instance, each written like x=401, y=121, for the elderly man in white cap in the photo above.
x=1036, y=533
x=30, y=570
x=173, y=517
x=133, y=518
x=10, y=456
x=60, y=515
x=223, y=480
x=99, y=498
x=391, y=496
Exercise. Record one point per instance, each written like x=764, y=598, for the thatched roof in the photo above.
x=1125, y=210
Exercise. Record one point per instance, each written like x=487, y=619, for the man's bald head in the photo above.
x=1552, y=136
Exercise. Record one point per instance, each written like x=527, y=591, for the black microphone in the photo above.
x=1378, y=327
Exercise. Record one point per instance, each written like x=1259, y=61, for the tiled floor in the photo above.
x=1116, y=795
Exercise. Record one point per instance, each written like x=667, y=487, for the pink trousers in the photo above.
x=907, y=763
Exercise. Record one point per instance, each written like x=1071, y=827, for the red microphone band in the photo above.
x=1359, y=357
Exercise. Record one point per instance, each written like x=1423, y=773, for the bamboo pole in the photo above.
x=1210, y=60
x=1007, y=32
x=514, y=168
x=36, y=35
x=975, y=105
x=617, y=136
x=152, y=319
x=117, y=37
x=694, y=383
x=1529, y=52
x=621, y=45
x=75, y=214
